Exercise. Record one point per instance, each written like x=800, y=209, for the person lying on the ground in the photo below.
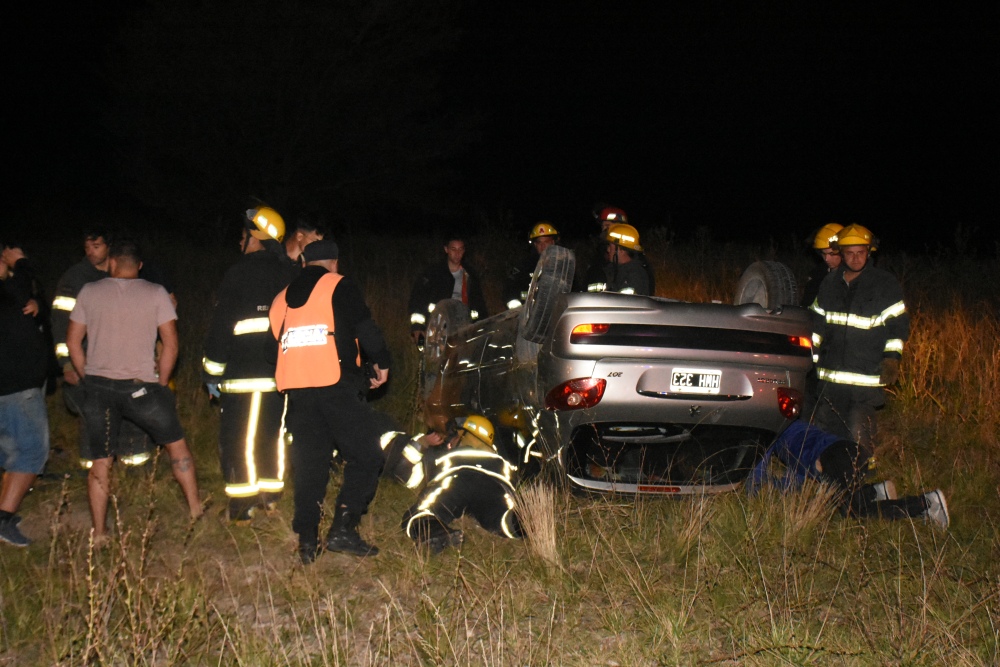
x=808, y=452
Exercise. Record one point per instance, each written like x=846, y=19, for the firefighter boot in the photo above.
x=308, y=547
x=343, y=535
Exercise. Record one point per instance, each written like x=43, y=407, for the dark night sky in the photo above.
x=772, y=116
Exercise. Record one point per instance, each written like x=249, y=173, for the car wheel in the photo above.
x=449, y=315
x=769, y=284
x=553, y=277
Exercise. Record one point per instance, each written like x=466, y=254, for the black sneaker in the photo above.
x=308, y=550
x=349, y=542
x=11, y=534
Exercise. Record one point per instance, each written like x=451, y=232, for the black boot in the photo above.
x=308, y=548
x=344, y=536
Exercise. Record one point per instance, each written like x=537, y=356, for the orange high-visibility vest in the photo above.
x=307, y=350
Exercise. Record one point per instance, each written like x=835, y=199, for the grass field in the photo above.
x=730, y=580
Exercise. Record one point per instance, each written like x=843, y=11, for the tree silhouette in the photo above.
x=319, y=105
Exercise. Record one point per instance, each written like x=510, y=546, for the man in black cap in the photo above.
x=321, y=325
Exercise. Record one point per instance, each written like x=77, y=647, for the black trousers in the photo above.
x=251, y=449
x=467, y=492
x=321, y=420
x=845, y=464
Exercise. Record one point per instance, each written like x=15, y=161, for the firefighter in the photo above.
x=542, y=236
x=447, y=279
x=830, y=257
x=859, y=329
x=808, y=452
x=465, y=475
x=320, y=326
x=596, y=276
x=238, y=371
x=134, y=447
x=623, y=272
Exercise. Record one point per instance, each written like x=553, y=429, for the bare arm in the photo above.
x=168, y=355
x=75, y=334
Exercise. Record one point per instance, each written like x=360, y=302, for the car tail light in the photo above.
x=789, y=402
x=581, y=331
x=576, y=394
x=801, y=341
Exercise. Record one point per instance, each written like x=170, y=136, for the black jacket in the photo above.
x=235, y=347
x=437, y=283
x=858, y=324
x=23, y=357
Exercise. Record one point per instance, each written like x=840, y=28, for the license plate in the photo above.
x=695, y=381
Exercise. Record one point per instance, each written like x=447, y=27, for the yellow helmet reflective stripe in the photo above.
x=825, y=233
x=854, y=235
x=266, y=223
x=543, y=228
x=624, y=235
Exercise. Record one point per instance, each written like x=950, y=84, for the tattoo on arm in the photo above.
x=182, y=464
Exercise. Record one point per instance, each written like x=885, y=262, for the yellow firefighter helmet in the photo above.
x=624, y=235
x=482, y=431
x=825, y=233
x=854, y=235
x=265, y=223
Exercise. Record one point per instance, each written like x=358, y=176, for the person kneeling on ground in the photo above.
x=809, y=452
x=464, y=475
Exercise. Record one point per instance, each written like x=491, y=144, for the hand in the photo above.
x=381, y=376
x=30, y=308
x=70, y=376
x=433, y=438
x=890, y=371
x=213, y=389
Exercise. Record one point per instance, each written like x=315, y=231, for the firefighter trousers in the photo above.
x=251, y=443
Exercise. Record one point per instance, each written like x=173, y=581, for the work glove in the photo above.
x=213, y=389
x=890, y=371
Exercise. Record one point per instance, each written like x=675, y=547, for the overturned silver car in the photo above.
x=626, y=393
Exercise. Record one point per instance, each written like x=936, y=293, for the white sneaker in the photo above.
x=885, y=490
x=937, y=508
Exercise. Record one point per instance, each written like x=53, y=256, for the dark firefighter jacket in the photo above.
x=236, y=349
x=857, y=325
x=437, y=283
x=64, y=300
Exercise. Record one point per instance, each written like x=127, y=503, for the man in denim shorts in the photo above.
x=121, y=316
x=24, y=423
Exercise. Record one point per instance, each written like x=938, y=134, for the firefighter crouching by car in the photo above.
x=320, y=325
x=859, y=329
x=461, y=473
x=237, y=370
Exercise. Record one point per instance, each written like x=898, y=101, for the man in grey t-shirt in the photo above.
x=121, y=317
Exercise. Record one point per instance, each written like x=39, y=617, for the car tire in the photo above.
x=449, y=315
x=769, y=284
x=553, y=277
